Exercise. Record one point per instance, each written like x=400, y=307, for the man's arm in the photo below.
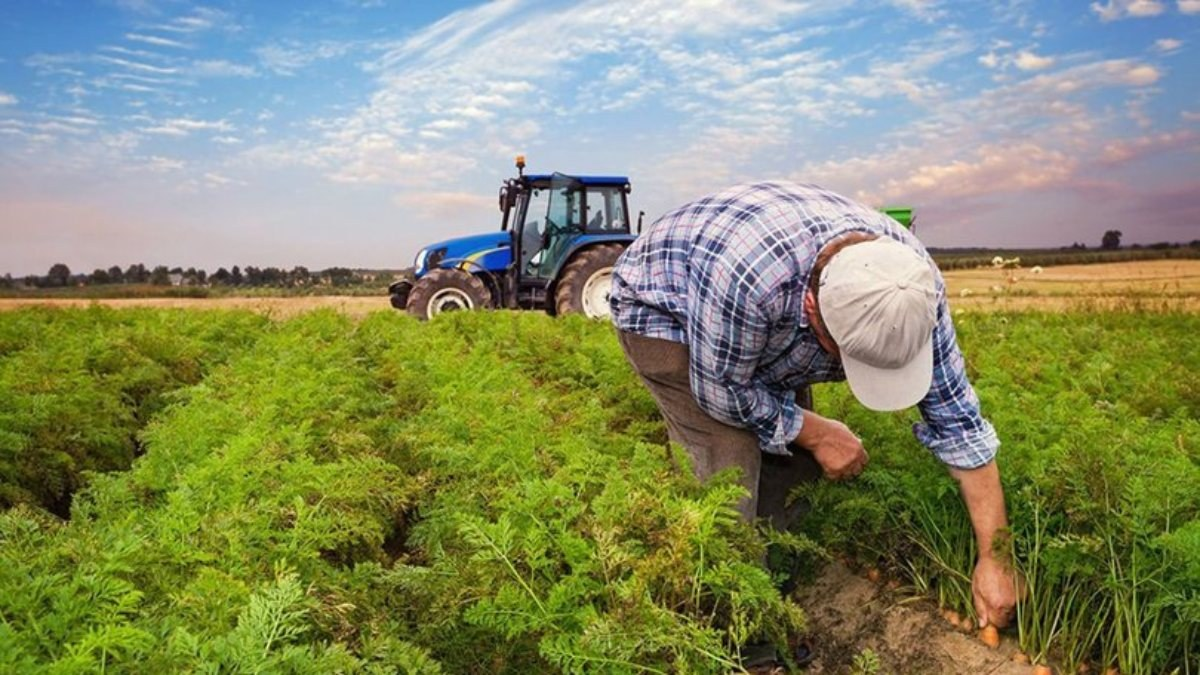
x=994, y=583
x=956, y=431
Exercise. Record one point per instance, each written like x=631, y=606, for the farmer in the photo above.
x=729, y=305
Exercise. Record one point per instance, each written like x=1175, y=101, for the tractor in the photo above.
x=559, y=238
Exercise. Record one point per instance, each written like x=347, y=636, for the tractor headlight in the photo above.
x=419, y=263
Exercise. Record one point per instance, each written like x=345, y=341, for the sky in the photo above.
x=350, y=133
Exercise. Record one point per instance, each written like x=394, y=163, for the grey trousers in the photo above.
x=712, y=445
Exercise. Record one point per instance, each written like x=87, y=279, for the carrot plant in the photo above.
x=1097, y=413
x=76, y=386
x=493, y=492
x=483, y=493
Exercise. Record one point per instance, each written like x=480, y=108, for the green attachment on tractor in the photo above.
x=901, y=214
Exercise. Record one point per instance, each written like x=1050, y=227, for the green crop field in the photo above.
x=186, y=491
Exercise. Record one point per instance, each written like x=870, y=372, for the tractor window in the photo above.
x=564, y=211
x=606, y=210
x=535, y=225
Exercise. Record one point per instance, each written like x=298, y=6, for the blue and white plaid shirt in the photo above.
x=726, y=276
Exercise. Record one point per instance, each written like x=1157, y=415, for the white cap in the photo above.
x=878, y=300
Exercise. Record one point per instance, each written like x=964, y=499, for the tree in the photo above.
x=235, y=276
x=115, y=275
x=7, y=281
x=100, y=276
x=161, y=276
x=58, y=276
x=137, y=274
x=1111, y=240
x=299, y=276
x=221, y=276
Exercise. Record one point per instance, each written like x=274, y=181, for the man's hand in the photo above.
x=996, y=588
x=839, y=452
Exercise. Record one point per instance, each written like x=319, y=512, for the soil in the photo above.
x=848, y=614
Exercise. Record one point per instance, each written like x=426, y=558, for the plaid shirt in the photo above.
x=726, y=276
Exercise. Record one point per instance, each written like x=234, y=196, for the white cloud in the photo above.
x=1190, y=115
x=1029, y=61
x=1189, y=6
x=158, y=164
x=136, y=65
x=990, y=60
x=924, y=9
x=1115, y=72
x=214, y=179
x=1126, y=150
x=221, y=68
x=444, y=206
x=227, y=140
x=7, y=98
x=1113, y=10
x=156, y=41
x=201, y=19
x=287, y=58
x=1167, y=45
x=185, y=126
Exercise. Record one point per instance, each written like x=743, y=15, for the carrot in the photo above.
x=1020, y=657
x=990, y=636
x=873, y=575
x=1042, y=670
x=951, y=616
x=966, y=624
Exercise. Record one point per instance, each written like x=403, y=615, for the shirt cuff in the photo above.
x=963, y=451
x=787, y=428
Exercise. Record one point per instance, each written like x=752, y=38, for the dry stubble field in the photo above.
x=1150, y=285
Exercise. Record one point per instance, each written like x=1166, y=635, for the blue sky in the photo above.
x=350, y=132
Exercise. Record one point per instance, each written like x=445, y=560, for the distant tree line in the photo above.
x=60, y=276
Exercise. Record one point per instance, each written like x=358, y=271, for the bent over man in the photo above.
x=729, y=305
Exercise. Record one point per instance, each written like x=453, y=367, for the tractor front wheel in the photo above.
x=586, y=282
x=447, y=290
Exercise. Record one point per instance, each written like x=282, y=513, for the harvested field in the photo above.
x=1146, y=285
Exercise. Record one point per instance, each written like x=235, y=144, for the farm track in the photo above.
x=1153, y=285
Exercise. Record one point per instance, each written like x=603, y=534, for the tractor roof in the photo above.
x=586, y=180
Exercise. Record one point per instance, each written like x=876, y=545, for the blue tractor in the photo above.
x=558, y=241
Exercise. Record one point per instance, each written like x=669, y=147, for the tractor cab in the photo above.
x=553, y=216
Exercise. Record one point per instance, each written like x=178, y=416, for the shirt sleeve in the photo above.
x=953, y=427
x=727, y=332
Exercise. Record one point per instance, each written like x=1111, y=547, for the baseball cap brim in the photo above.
x=886, y=389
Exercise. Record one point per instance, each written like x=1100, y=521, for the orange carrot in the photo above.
x=990, y=636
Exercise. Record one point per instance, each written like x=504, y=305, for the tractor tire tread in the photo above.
x=569, y=290
x=435, y=280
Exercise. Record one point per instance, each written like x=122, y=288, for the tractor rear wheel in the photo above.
x=586, y=282
x=447, y=290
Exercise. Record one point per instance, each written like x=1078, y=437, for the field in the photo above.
x=319, y=491
x=1150, y=284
